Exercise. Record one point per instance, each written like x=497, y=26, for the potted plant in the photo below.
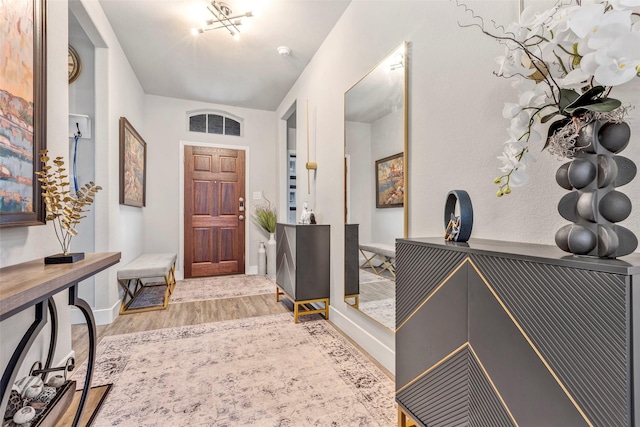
x=265, y=217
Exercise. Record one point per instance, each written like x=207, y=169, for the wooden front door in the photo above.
x=213, y=220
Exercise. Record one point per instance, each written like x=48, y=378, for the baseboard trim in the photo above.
x=103, y=316
x=378, y=350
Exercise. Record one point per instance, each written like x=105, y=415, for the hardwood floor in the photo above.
x=377, y=290
x=181, y=314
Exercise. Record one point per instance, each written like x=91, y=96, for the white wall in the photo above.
x=118, y=93
x=360, y=190
x=166, y=127
x=82, y=101
x=456, y=130
x=26, y=243
x=387, y=139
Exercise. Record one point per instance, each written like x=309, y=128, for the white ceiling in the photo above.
x=213, y=67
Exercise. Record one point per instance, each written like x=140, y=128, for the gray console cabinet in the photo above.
x=503, y=334
x=303, y=266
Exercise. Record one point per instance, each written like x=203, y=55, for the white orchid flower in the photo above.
x=576, y=79
x=607, y=34
x=519, y=177
x=511, y=65
x=617, y=64
x=586, y=19
x=560, y=18
x=613, y=24
x=511, y=110
x=624, y=4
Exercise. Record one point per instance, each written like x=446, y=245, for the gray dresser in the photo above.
x=493, y=334
x=303, y=266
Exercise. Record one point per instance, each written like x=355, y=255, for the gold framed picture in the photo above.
x=133, y=166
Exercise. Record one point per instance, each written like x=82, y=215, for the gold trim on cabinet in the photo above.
x=535, y=349
x=486, y=374
x=433, y=293
x=440, y=362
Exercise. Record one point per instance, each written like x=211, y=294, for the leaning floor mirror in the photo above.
x=376, y=201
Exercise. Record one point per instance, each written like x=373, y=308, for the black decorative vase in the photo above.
x=594, y=206
x=64, y=258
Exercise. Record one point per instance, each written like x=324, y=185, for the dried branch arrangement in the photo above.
x=63, y=208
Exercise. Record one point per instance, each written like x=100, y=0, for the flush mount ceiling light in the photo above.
x=283, y=50
x=222, y=19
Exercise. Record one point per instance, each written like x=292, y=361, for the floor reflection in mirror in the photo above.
x=378, y=297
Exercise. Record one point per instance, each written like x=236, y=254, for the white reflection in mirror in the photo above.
x=375, y=162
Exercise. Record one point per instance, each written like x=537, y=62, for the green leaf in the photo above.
x=555, y=126
x=567, y=97
x=585, y=99
x=603, y=105
x=548, y=117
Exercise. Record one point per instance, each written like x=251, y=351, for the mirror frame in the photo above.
x=405, y=88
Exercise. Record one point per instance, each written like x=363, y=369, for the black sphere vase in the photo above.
x=594, y=206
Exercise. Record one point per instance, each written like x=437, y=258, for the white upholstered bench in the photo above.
x=145, y=296
x=383, y=253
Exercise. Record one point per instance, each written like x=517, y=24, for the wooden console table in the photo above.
x=33, y=283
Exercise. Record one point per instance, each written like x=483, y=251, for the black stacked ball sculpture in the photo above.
x=594, y=206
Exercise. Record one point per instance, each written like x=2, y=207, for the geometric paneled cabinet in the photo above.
x=303, y=267
x=495, y=334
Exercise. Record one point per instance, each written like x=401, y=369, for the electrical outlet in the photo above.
x=257, y=195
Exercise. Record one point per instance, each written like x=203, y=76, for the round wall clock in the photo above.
x=75, y=66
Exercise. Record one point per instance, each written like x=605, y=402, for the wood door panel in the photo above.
x=214, y=234
x=209, y=269
x=203, y=247
x=228, y=164
x=229, y=202
x=202, y=163
x=227, y=244
x=202, y=201
x=215, y=176
x=207, y=221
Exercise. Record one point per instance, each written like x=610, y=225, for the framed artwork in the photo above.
x=390, y=181
x=133, y=166
x=22, y=111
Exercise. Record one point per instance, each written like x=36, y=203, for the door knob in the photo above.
x=241, y=217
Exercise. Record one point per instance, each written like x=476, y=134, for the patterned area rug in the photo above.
x=384, y=311
x=261, y=371
x=221, y=287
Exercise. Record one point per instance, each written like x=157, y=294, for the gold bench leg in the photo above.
x=368, y=259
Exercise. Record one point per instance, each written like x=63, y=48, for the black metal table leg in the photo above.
x=91, y=326
x=54, y=333
x=11, y=371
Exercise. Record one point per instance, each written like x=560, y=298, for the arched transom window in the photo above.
x=215, y=122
